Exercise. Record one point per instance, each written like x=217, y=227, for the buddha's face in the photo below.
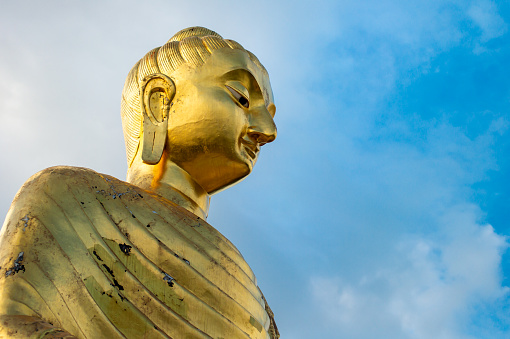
x=222, y=113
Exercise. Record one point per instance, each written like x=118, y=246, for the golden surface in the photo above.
x=86, y=255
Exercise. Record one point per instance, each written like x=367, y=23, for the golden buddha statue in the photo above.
x=85, y=255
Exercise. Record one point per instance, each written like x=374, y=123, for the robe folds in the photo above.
x=84, y=254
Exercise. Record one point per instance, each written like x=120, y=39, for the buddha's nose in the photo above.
x=262, y=127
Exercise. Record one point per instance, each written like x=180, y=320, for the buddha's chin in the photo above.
x=227, y=176
x=216, y=172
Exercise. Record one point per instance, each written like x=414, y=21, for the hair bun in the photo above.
x=193, y=31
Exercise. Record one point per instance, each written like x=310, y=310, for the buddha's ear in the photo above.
x=156, y=92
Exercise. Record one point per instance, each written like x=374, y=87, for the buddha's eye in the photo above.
x=239, y=97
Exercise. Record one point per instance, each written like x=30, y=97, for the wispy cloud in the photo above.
x=484, y=14
x=428, y=290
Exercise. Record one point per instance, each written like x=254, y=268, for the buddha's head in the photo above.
x=201, y=102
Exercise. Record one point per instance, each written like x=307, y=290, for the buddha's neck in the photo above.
x=172, y=183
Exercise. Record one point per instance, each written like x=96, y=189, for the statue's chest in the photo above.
x=159, y=254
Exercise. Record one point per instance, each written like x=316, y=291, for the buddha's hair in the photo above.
x=191, y=46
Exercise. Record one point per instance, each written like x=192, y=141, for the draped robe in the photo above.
x=88, y=255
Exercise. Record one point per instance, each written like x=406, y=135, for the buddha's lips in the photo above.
x=251, y=148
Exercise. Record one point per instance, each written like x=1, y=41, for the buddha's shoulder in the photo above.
x=60, y=193
x=64, y=180
x=62, y=183
x=68, y=188
x=74, y=193
x=60, y=176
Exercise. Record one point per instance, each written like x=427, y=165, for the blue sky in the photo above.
x=381, y=210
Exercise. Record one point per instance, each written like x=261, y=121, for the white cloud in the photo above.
x=484, y=13
x=427, y=291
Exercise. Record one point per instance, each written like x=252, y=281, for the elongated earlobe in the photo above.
x=157, y=92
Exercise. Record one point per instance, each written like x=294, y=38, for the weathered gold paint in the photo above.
x=86, y=255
